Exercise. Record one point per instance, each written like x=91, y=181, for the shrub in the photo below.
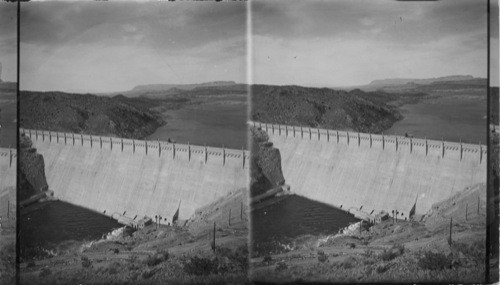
x=400, y=248
x=348, y=263
x=387, y=255
x=351, y=245
x=31, y=264
x=393, y=252
x=281, y=266
x=267, y=259
x=148, y=274
x=322, y=257
x=199, y=266
x=44, y=272
x=368, y=253
x=86, y=263
x=113, y=268
x=132, y=258
x=157, y=258
x=369, y=261
x=238, y=258
x=383, y=268
x=474, y=250
x=434, y=261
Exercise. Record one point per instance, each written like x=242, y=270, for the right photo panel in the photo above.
x=369, y=141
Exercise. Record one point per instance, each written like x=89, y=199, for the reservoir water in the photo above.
x=58, y=226
x=221, y=120
x=447, y=118
x=278, y=225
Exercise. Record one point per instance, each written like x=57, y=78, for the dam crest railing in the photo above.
x=146, y=147
x=385, y=141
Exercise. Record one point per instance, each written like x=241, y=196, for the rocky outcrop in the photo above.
x=266, y=164
x=31, y=173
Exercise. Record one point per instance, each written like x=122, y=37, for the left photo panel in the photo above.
x=133, y=143
x=8, y=141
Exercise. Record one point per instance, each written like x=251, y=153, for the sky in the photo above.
x=8, y=41
x=352, y=42
x=108, y=47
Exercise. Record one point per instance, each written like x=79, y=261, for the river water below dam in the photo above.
x=279, y=225
x=58, y=226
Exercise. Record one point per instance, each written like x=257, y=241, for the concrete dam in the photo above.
x=136, y=178
x=8, y=168
x=368, y=173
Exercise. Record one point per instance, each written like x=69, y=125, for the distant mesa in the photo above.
x=401, y=81
x=176, y=87
x=161, y=90
x=415, y=85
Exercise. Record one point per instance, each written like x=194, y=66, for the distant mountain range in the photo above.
x=167, y=90
x=409, y=84
x=166, y=87
x=389, y=85
x=401, y=81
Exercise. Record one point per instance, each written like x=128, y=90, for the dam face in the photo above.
x=371, y=173
x=8, y=169
x=137, y=178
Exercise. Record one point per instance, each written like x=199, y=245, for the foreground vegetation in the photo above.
x=402, y=251
x=8, y=251
x=156, y=254
x=7, y=236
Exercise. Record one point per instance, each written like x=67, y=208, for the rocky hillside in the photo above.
x=265, y=170
x=31, y=171
x=88, y=114
x=327, y=108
